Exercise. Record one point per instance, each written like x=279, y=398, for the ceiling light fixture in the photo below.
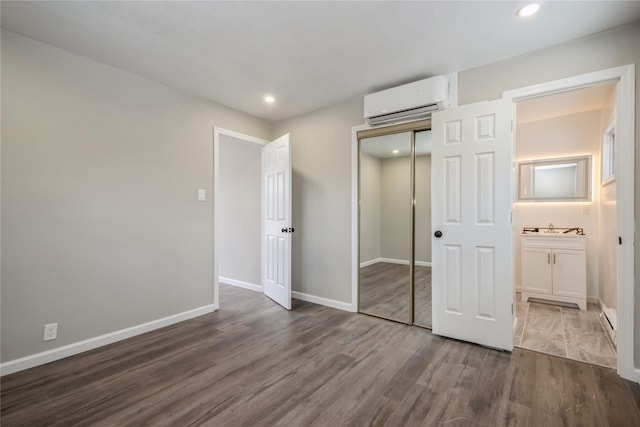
x=395, y=151
x=269, y=99
x=528, y=10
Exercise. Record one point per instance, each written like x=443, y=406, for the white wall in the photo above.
x=608, y=230
x=101, y=226
x=240, y=201
x=564, y=136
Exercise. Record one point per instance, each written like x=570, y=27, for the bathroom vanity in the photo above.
x=554, y=267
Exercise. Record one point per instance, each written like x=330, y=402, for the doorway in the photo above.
x=575, y=320
x=252, y=214
x=394, y=188
x=624, y=78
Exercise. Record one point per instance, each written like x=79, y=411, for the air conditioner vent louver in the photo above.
x=413, y=101
x=416, y=113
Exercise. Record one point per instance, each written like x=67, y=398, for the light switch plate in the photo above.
x=201, y=195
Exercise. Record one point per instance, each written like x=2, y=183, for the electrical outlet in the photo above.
x=50, y=331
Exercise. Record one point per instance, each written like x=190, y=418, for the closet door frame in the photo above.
x=360, y=133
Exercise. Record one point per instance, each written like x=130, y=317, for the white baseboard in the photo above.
x=636, y=371
x=240, y=284
x=99, y=341
x=323, y=301
x=394, y=261
x=370, y=262
x=593, y=300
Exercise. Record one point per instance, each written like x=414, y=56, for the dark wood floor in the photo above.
x=385, y=292
x=255, y=364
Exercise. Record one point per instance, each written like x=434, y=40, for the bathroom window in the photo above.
x=608, y=155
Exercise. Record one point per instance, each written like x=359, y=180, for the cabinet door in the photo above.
x=569, y=273
x=536, y=270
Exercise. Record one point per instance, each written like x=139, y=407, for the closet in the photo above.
x=394, y=188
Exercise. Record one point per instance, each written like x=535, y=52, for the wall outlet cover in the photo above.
x=50, y=331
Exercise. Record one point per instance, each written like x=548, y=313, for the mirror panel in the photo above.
x=385, y=229
x=555, y=180
x=422, y=230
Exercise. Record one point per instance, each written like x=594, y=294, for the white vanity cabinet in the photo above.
x=553, y=267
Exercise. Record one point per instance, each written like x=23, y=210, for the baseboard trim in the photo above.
x=240, y=284
x=323, y=301
x=370, y=262
x=52, y=355
x=394, y=261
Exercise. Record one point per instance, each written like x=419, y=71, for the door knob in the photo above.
x=291, y=229
x=284, y=230
x=438, y=234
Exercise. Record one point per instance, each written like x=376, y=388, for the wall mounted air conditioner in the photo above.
x=413, y=101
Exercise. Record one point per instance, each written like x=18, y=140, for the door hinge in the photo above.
x=619, y=240
x=512, y=308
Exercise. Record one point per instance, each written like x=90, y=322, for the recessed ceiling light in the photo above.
x=269, y=99
x=395, y=151
x=528, y=10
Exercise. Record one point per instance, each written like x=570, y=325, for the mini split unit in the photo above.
x=413, y=101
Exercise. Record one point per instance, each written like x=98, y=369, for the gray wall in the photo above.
x=101, y=226
x=369, y=207
x=423, y=208
x=240, y=202
x=321, y=157
x=395, y=199
x=385, y=208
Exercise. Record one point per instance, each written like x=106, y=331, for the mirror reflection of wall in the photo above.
x=385, y=288
x=385, y=184
x=422, y=233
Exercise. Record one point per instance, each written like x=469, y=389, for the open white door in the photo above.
x=471, y=219
x=277, y=229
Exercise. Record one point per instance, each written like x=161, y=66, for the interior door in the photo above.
x=471, y=221
x=277, y=229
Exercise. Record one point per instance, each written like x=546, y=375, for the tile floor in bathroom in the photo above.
x=563, y=331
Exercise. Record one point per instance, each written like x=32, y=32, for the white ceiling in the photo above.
x=591, y=98
x=309, y=55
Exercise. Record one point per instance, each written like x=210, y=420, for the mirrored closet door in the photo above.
x=395, y=225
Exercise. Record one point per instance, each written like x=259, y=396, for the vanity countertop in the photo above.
x=552, y=234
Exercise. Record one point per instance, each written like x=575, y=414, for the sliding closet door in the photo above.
x=422, y=229
x=385, y=226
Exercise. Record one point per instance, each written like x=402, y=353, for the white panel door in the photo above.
x=276, y=269
x=472, y=265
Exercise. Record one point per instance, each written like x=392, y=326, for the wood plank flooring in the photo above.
x=384, y=292
x=255, y=364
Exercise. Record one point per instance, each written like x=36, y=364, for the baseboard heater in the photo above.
x=608, y=321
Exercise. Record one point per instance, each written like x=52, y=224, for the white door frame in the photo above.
x=625, y=135
x=217, y=133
